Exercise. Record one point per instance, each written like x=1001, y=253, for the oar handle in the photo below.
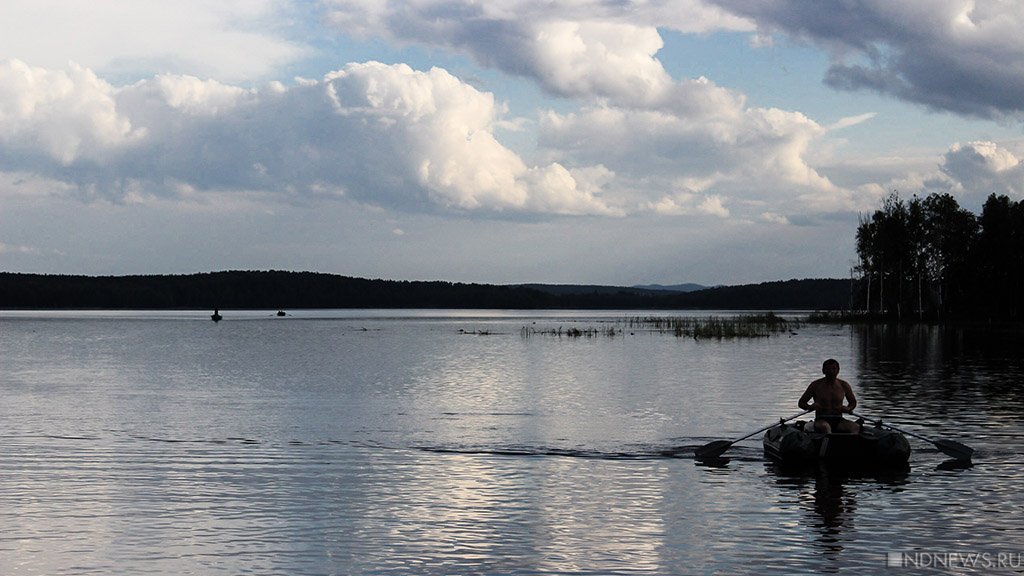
x=881, y=423
x=900, y=430
x=797, y=415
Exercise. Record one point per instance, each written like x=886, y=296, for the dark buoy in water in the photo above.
x=216, y=317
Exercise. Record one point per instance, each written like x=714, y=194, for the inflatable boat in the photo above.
x=873, y=446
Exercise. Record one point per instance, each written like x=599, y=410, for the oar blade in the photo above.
x=954, y=449
x=713, y=449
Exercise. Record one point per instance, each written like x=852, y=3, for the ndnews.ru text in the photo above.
x=955, y=560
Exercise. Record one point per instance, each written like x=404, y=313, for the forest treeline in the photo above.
x=293, y=290
x=930, y=259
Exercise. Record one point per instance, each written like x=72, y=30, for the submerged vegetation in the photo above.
x=698, y=328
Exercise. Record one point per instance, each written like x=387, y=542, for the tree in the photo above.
x=888, y=244
x=959, y=265
x=867, y=252
x=1001, y=257
x=950, y=234
x=917, y=251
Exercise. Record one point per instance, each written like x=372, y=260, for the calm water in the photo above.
x=449, y=443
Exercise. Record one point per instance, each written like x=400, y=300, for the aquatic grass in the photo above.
x=843, y=317
x=700, y=328
x=761, y=325
x=611, y=332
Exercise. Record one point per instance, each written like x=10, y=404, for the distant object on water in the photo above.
x=216, y=317
x=281, y=313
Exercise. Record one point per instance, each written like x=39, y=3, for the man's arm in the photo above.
x=851, y=400
x=808, y=395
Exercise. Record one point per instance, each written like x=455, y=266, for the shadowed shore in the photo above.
x=296, y=290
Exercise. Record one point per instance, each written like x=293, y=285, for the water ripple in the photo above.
x=154, y=447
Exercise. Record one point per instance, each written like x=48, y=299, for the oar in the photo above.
x=718, y=447
x=950, y=448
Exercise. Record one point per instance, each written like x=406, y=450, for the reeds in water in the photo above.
x=717, y=327
x=699, y=328
x=842, y=317
x=611, y=332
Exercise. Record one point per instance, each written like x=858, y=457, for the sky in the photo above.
x=579, y=142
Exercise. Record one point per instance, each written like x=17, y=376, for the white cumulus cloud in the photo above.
x=66, y=115
x=381, y=134
x=578, y=49
x=727, y=150
x=649, y=130
x=983, y=165
x=970, y=172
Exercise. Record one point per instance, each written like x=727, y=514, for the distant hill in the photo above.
x=577, y=289
x=672, y=287
x=284, y=290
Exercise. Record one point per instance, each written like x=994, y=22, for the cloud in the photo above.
x=380, y=134
x=728, y=151
x=231, y=40
x=67, y=115
x=380, y=18
x=773, y=218
x=576, y=49
x=392, y=136
x=661, y=139
x=443, y=129
x=713, y=205
x=17, y=249
x=850, y=121
x=985, y=166
x=971, y=172
x=962, y=56
x=685, y=203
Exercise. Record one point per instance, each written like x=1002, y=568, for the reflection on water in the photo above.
x=835, y=507
x=379, y=443
x=828, y=499
x=935, y=374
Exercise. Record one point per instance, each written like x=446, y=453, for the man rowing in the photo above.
x=828, y=394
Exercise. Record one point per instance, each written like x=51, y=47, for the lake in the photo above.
x=482, y=442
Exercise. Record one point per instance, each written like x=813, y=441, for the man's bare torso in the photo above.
x=829, y=395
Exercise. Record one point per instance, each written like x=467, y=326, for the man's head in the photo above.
x=830, y=367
